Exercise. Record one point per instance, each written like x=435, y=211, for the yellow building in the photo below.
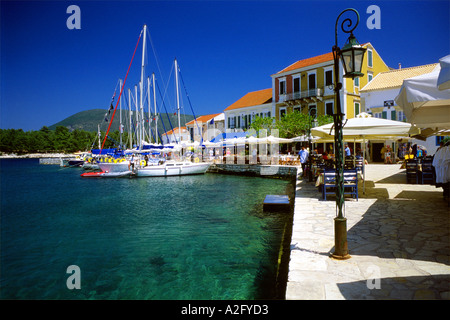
x=307, y=85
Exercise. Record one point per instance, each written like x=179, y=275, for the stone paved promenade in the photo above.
x=398, y=239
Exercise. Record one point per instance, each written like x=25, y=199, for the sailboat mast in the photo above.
x=137, y=114
x=130, y=128
x=156, y=115
x=141, y=88
x=120, y=116
x=99, y=135
x=178, y=100
x=149, y=110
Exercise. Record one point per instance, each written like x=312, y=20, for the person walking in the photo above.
x=303, y=159
x=387, y=155
x=348, y=153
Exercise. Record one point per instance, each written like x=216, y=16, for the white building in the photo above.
x=206, y=127
x=240, y=115
x=377, y=98
x=174, y=136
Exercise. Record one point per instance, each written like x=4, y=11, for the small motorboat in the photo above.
x=103, y=174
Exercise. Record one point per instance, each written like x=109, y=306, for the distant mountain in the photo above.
x=90, y=119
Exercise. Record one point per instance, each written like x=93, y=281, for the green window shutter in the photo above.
x=393, y=115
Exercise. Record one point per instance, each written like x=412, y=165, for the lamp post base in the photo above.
x=340, y=239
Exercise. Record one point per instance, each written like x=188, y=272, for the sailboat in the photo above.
x=114, y=165
x=172, y=167
x=113, y=162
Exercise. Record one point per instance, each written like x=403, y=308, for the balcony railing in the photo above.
x=305, y=94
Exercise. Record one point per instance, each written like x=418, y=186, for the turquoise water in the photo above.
x=192, y=237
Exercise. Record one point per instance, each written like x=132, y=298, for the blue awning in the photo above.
x=108, y=151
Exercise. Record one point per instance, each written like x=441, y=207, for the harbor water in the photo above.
x=191, y=237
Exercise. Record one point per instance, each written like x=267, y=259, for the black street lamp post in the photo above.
x=311, y=124
x=351, y=55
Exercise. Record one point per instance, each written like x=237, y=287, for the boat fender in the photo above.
x=116, y=160
x=197, y=160
x=110, y=160
x=142, y=163
x=122, y=160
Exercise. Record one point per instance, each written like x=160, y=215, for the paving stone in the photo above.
x=397, y=232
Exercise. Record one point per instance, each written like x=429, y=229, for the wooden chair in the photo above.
x=428, y=175
x=348, y=163
x=359, y=165
x=412, y=171
x=329, y=181
x=350, y=183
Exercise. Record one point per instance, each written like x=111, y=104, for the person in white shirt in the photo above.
x=303, y=159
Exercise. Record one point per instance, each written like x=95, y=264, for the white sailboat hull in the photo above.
x=114, y=167
x=172, y=169
x=90, y=166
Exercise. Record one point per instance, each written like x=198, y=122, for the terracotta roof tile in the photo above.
x=175, y=130
x=252, y=99
x=309, y=62
x=203, y=119
x=394, y=78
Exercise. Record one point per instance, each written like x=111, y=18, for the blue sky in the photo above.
x=225, y=48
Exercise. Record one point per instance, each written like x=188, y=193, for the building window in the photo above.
x=393, y=115
x=283, y=86
x=329, y=108
x=439, y=139
x=401, y=116
x=357, y=108
x=297, y=109
x=232, y=122
x=384, y=115
x=312, y=111
x=369, y=76
x=297, y=84
x=328, y=77
x=356, y=82
x=369, y=58
x=311, y=81
x=282, y=112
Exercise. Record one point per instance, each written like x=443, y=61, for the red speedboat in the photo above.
x=103, y=174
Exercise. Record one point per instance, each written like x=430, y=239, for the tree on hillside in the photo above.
x=46, y=139
x=62, y=139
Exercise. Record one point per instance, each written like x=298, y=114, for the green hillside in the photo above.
x=90, y=119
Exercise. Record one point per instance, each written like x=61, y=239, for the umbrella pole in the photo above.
x=354, y=152
x=364, y=165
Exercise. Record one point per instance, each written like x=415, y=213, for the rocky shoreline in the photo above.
x=36, y=155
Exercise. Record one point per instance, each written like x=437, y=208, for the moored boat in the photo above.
x=104, y=174
x=114, y=165
x=172, y=168
x=75, y=162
